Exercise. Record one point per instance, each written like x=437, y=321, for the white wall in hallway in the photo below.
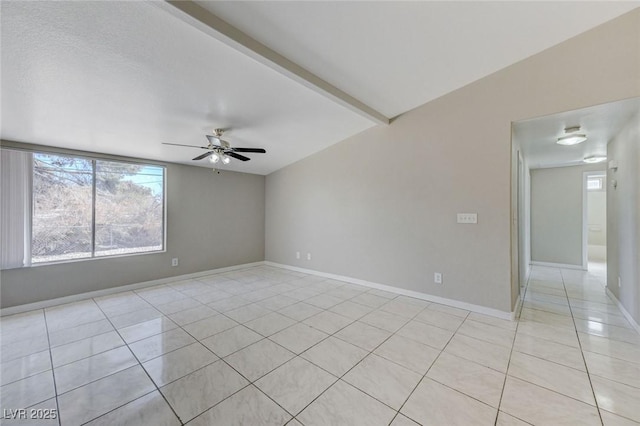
x=557, y=214
x=597, y=225
x=623, y=218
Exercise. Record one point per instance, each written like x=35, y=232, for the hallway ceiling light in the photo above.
x=572, y=137
x=594, y=159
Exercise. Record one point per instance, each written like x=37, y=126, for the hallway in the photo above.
x=573, y=339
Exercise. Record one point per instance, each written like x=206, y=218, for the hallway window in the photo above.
x=595, y=183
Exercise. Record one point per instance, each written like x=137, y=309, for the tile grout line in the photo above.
x=564, y=344
x=53, y=374
x=139, y=364
x=513, y=343
x=582, y=354
x=429, y=369
x=49, y=348
x=28, y=375
x=88, y=356
x=374, y=309
x=593, y=392
x=573, y=328
x=250, y=382
x=301, y=321
x=357, y=363
x=198, y=341
x=322, y=368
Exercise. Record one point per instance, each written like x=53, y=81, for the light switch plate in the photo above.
x=467, y=217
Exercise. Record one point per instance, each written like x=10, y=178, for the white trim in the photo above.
x=585, y=219
x=558, y=265
x=585, y=214
x=627, y=315
x=88, y=295
x=423, y=296
x=516, y=309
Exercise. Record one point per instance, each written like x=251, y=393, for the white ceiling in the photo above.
x=122, y=77
x=397, y=55
x=599, y=123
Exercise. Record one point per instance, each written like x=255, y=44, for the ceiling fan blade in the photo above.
x=205, y=155
x=237, y=156
x=256, y=150
x=179, y=144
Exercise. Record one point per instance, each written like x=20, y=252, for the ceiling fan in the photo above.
x=220, y=150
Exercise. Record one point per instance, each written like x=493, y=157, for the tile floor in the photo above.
x=270, y=346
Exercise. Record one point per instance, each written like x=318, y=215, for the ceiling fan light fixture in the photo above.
x=572, y=137
x=219, y=150
x=594, y=159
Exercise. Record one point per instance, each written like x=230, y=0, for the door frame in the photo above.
x=585, y=214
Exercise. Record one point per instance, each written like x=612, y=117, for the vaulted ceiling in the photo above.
x=291, y=77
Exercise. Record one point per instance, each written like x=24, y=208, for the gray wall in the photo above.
x=557, y=214
x=623, y=218
x=213, y=221
x=381, y=205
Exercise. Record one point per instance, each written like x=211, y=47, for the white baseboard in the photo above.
x=424, y=296
x=624, y=311
x=558, y=265
x=88, y=295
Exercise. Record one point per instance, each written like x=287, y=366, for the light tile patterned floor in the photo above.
x=268, y=346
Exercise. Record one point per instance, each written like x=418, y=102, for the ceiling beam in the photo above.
x=201, y=18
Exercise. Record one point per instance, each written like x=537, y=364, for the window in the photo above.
x=85, y=208
x=595, y=183
x=61, y=224
x=129, y=208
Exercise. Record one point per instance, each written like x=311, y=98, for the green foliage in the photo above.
x=128, y=214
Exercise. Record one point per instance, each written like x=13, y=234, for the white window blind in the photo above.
x=15, y=208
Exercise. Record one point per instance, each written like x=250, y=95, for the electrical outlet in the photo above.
x=437, y=278
x=297, y=255
x=174, y=261
x=467, y=217
x=308, y=256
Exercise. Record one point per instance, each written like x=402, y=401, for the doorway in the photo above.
x=559, y=190
x=595, y=222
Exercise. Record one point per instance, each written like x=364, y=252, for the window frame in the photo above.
x=600, y=181
x=93, y=158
